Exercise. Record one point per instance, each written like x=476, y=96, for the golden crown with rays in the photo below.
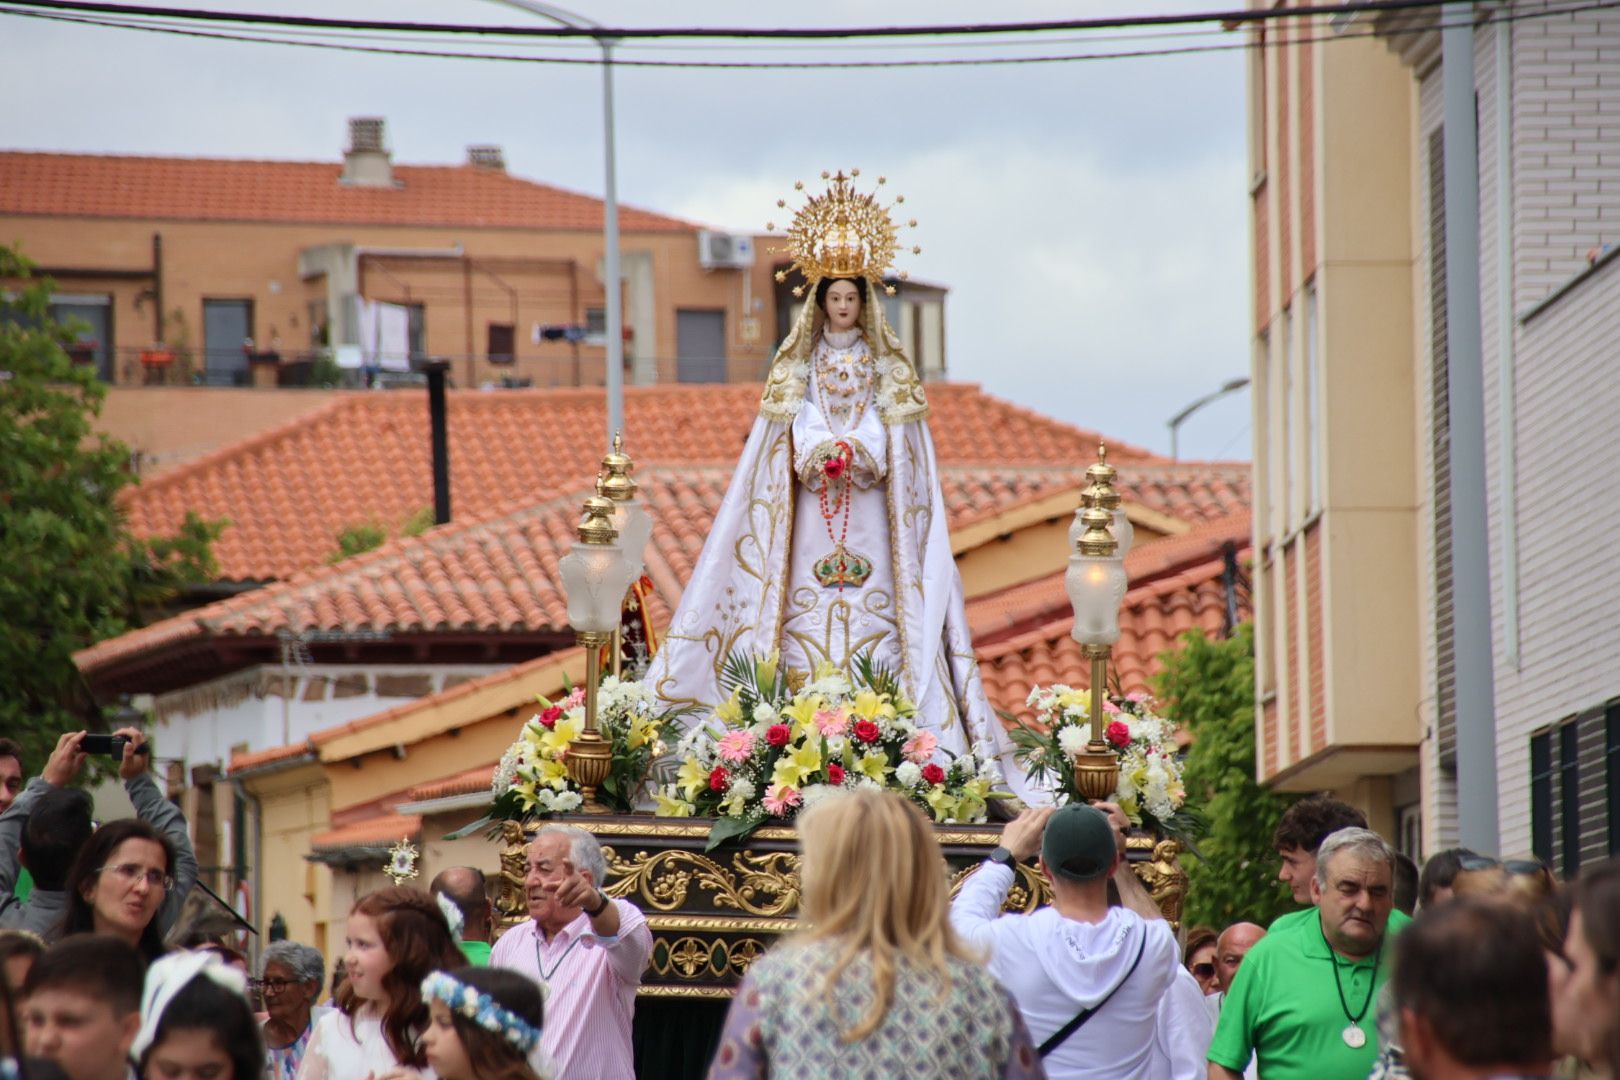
x=843, y=233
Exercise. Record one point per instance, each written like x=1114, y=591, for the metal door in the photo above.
x=227, y=326
x=700, y=346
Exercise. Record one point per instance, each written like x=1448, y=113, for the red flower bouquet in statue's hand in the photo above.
x=838, y=464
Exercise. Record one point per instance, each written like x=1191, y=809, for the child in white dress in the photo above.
x=396, y=936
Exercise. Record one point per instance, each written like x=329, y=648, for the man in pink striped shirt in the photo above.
x=589, y=949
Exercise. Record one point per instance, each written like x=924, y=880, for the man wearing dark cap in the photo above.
x=1088, y=978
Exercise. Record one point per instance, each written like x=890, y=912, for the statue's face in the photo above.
x=843, y=305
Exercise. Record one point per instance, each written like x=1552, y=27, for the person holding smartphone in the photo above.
x=48, y=824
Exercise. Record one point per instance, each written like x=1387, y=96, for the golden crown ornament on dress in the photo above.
x=843, y=233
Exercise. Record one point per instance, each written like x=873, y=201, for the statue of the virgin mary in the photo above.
x=833, y=540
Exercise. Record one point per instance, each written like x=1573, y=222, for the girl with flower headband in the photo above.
x=485, y=1025
x=195, y=1021
x=396, y=937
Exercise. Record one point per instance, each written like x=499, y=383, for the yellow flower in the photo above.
x=672, y=807
x=729, y=711
x=971, y=804
x=734, y=805
x=871, y=706
x=765, y=670
x=643, y=729
x=875, y=766
x=692, y=777
x=552, y=773
x=825, y=670
x=557, y=740
x=796, y=766
x=943, y=803
x=803, y=713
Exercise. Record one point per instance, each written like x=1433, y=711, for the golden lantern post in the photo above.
x=1095, y=582
x=630, y=520
x=595, y=575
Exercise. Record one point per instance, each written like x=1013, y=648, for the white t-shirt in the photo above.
x=1054, y=967
x=339, y=1051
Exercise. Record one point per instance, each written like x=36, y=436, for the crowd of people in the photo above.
x=1468, y=967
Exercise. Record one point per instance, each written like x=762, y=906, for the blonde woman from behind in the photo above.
x=878, y=984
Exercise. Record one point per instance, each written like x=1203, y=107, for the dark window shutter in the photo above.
x=1569, y=798
x=502, y=339
x=1445, y=643
x=1541, y=809
x=1593, y=827
x=1611, y=762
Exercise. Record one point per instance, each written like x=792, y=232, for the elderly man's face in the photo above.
x=1355, y=903
x=1230, y=950
x=550, y=864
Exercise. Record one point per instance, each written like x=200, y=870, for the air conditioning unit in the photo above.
x=723, y=251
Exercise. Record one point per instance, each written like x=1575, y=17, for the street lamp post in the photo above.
x=610, y=210
x=1231, y=386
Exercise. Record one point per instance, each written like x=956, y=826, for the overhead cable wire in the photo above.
x=1230, y=17
x=1497, y=16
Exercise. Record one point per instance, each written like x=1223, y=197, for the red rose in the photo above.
x=835, y=773
x=719, y=778
x=1119, y=734
x=933, y=773
x=550, y=717
x=778, y=734
x=867, y=731
x=834, y=468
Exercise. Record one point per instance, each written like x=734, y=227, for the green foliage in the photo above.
x=357, y=539
x=72, y=574
x=1209, y=688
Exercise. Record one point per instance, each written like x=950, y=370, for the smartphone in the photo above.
x=107, y=745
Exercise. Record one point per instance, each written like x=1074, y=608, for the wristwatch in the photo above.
x=602, y=896
x=1002, y=857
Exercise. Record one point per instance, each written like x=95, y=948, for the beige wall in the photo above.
x=259, y=262
x=1337, y=590
x=294, y=804
x=170, y=425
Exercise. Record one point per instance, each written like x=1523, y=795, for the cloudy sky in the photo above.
x=1089, y=217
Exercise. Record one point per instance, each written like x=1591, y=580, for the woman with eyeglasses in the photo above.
x=1199, y=957
x=119, y=883
x=290, y=979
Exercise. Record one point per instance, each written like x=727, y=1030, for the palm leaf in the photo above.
x=738, y=672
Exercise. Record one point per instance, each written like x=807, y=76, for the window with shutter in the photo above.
x=1440, y=456
x=1569, y=810
x=1541, y=800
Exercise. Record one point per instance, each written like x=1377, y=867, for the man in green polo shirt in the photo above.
x=1302, y=1002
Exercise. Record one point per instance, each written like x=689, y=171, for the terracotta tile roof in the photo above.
x=290, y=491
x=1022, y=634
x=242, y=761
x=379, y=831
x=493, y=576
x=216, y=189
x=470, y=782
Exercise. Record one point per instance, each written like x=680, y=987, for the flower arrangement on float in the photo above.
x=771, y=749
x=1150, y=789
x=532, y=778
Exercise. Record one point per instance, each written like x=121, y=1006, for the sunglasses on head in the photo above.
x=1512, y=866
x=1204, y=970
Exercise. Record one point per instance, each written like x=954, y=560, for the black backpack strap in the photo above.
x=1074, y=1025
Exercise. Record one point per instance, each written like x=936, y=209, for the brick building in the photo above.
x=1356, y=602
x=233, y=272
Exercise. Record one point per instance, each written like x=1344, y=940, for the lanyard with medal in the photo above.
x=1353, y=1036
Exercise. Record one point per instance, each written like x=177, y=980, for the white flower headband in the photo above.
x=481, y=1009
